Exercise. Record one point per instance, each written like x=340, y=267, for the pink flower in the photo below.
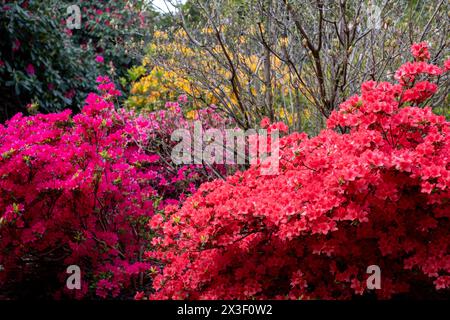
x=171, y=105
x=107, y=87
x=447, y=65
x=265, y=122
x=282, y=127
x=155, y=221
x=103, y=79
x=407, y=73
x=420, y=92
x=99, y=59
x=183, y=98
x=442, y=282
x=2, y=63
x=30, y=70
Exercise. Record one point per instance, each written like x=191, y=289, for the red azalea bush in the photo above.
x=370, y=189
x=80, y=190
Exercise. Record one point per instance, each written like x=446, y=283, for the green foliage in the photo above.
x=47, y=67
x=39, y=64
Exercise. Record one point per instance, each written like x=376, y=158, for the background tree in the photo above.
x=295, y=60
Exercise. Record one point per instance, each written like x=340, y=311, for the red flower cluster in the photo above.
x=420, y=51
x=408, y=72
x=376, y=194
x=80, y=191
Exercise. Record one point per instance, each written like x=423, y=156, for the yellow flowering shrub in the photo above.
x=167, y=72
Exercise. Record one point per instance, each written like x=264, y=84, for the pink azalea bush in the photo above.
x=373, y=188
x=80, y=190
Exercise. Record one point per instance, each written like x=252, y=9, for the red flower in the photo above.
x=420, y=51
x=139, y=295
x=16, y=45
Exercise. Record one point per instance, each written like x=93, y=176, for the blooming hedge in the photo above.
x=370, y=189
x=79, y=190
